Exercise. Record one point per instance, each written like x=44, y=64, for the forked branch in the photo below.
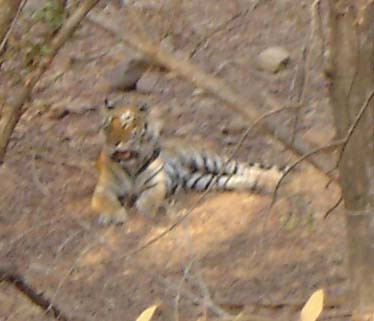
x=12, y=107
x=210, y=84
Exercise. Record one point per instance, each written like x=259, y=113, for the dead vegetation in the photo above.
x=214, y=260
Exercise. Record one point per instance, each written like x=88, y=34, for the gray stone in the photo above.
x=150, y=82
x=234, y=127
x=273, y=59
x=125, y=75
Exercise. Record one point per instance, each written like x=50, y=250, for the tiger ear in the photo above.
x=108, y=104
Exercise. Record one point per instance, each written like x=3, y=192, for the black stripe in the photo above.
x=173, y=189
x=154, y=155
x=206, y=169
x=194, y=163
x=218, y=164
x=199, y=179
x=209, y=182
x=231, y=168
x=235, y=168
x=148, y=187
x=225, y=181
x=154, y=175
x=192, y=181
x=214, y=170
x=196, y=179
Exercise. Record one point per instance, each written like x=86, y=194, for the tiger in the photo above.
x=136, y=169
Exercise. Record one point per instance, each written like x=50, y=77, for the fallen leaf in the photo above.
x=313, y=307
x=147, y=314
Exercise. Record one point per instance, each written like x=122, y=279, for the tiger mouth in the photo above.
x=124, y=155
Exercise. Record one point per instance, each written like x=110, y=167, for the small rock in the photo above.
x=57, y=112
x=125, y=75
x=234, y=127
x=198, y=92
x=229, y=141
x=273, y=59
x=150, y=82
x=167, y=44
x=60, y=110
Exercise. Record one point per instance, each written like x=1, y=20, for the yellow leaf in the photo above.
x=313, y=307
x=147, y=314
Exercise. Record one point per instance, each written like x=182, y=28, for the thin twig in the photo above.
x=32, y=228
x=354, y=125
x=65, y=242
x=209, y=83
x=208, y=301
x=221, y=27
x=181, y=219
x=43, y=189
x=188, y=294
x=11, y=27
x=179, y=289
x=341, y=142
x=69, y=272
x=12, y=110
x=332, y=208
x=304, y=74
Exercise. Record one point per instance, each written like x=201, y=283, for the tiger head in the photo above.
x=127, y=134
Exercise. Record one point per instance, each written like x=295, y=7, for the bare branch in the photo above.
x=10, y=275
x=15, y=8
x=341, y=142
x=212, y=85
x=12, y=110
x=182, y=218
x=8, y=13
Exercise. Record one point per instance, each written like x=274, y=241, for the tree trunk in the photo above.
x=351, y=74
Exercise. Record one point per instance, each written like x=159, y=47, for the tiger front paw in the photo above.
x=119, y=217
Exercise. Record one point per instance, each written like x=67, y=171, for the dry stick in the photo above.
x=211, y=305
x=200, y=199
x=332, y=208
x=9, y=275
x=214, y=308
x=341, y=142
x=354, y=125
x=68, y=273
x=179, y=289
x=218, y=29
x=8, y=33
x=186, y=293
x=195, y=262
x=306, y=66
x=211, y=84
x=35, y=177
x=12, y=110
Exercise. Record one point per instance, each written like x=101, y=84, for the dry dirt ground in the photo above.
x=229, y=251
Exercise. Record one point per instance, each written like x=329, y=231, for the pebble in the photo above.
x=234, y=127
x=150, y=82
x=273, y=59
x=126, y=74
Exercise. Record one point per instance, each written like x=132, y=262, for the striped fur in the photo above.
x=133, y=165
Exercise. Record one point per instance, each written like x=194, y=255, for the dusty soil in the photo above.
x=229, y=247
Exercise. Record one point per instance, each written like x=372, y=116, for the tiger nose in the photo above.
x=121, y=146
